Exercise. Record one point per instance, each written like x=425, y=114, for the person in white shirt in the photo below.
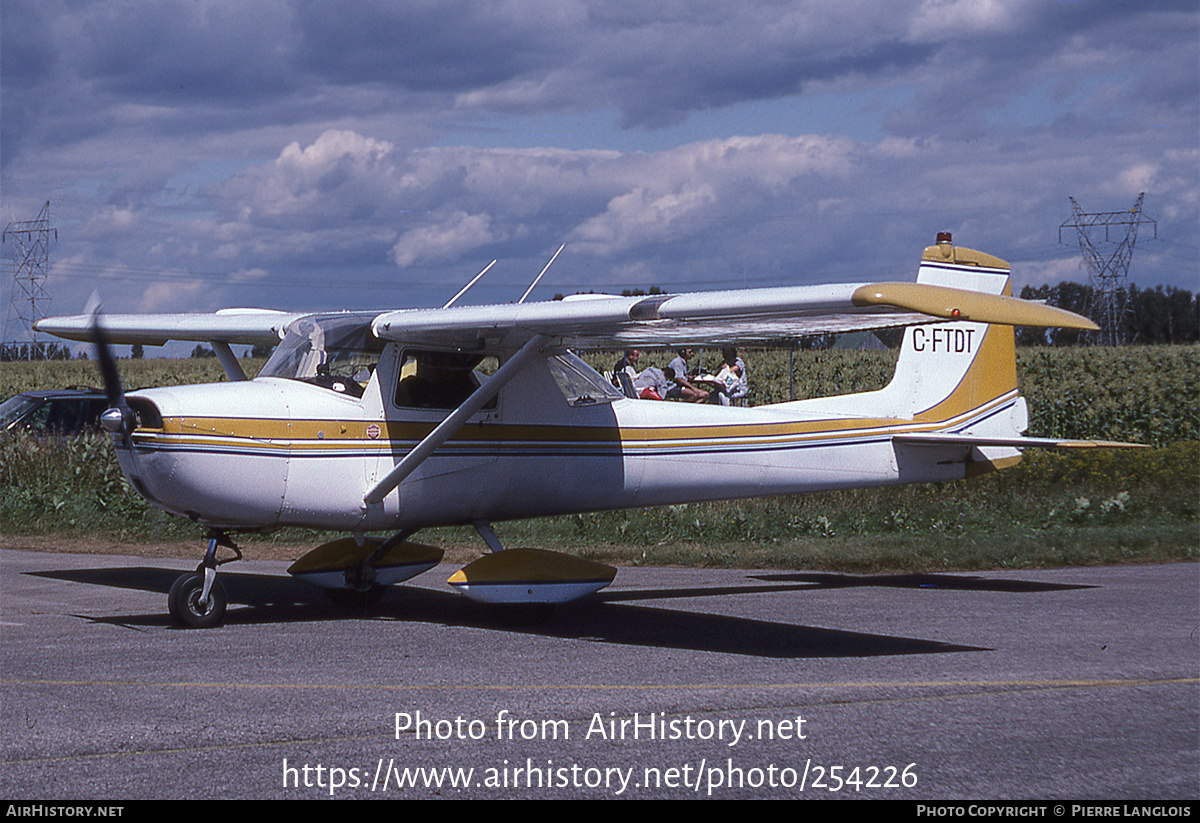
x=731, y=379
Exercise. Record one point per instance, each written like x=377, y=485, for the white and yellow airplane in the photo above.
x=372, y=423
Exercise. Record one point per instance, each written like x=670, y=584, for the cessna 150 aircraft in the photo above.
x=374, y=423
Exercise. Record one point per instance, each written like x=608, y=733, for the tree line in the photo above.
x=1159, y=315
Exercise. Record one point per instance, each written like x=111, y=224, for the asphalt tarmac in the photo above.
x=1068, y=684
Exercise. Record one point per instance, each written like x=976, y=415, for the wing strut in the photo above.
x=448, y=427
x=228, y=360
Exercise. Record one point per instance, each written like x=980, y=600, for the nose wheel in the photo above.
x=192, y=607
x=197, y=599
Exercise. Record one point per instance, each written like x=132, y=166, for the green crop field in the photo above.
x=1055, y=508
x=1145, y=394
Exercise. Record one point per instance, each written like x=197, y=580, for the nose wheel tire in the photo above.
x=187, y=607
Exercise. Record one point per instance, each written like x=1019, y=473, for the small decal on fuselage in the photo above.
x=957, y=341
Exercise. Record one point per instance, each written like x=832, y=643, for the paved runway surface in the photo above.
x=1060, y=684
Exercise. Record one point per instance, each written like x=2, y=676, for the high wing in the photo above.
x=241, y=326
x=727, y=317
x=591, y=321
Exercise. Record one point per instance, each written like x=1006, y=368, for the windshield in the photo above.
x=14, y=407
x=336, y=351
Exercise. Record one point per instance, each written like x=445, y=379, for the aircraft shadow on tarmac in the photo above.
x=916, y=581
x=609, y=617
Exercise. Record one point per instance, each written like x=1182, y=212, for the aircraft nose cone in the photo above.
x=112, y=420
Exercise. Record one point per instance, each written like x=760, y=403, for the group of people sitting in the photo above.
x=674, y=382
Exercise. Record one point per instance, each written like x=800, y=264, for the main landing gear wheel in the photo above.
x=187, y=607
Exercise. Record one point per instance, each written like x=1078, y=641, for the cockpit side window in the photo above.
x=440, y=379
x=580, y=384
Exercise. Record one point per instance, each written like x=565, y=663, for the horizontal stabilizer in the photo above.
x=948, y=439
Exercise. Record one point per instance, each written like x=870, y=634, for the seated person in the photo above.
x=625, y=373
x=674, y=392
x=732, y=382
x=653, y=383
x=684, y=389
x=628, y=363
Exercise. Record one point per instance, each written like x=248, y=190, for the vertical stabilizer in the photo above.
x=957, y=377
x=961, y=377
x=948, y=370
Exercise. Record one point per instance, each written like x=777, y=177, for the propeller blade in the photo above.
x=118, y=419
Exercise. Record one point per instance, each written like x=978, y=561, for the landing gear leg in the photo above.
x=361, y=590
x=197, y=600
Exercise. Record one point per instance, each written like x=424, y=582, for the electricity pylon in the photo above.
x=1108, y=275
x=30, y=254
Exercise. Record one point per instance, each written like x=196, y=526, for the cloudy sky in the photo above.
x=199, y=154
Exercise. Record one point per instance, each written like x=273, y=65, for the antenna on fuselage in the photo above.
x=463, y=290
x=539, y=277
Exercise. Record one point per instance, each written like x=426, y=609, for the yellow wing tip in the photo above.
x=961, y=304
